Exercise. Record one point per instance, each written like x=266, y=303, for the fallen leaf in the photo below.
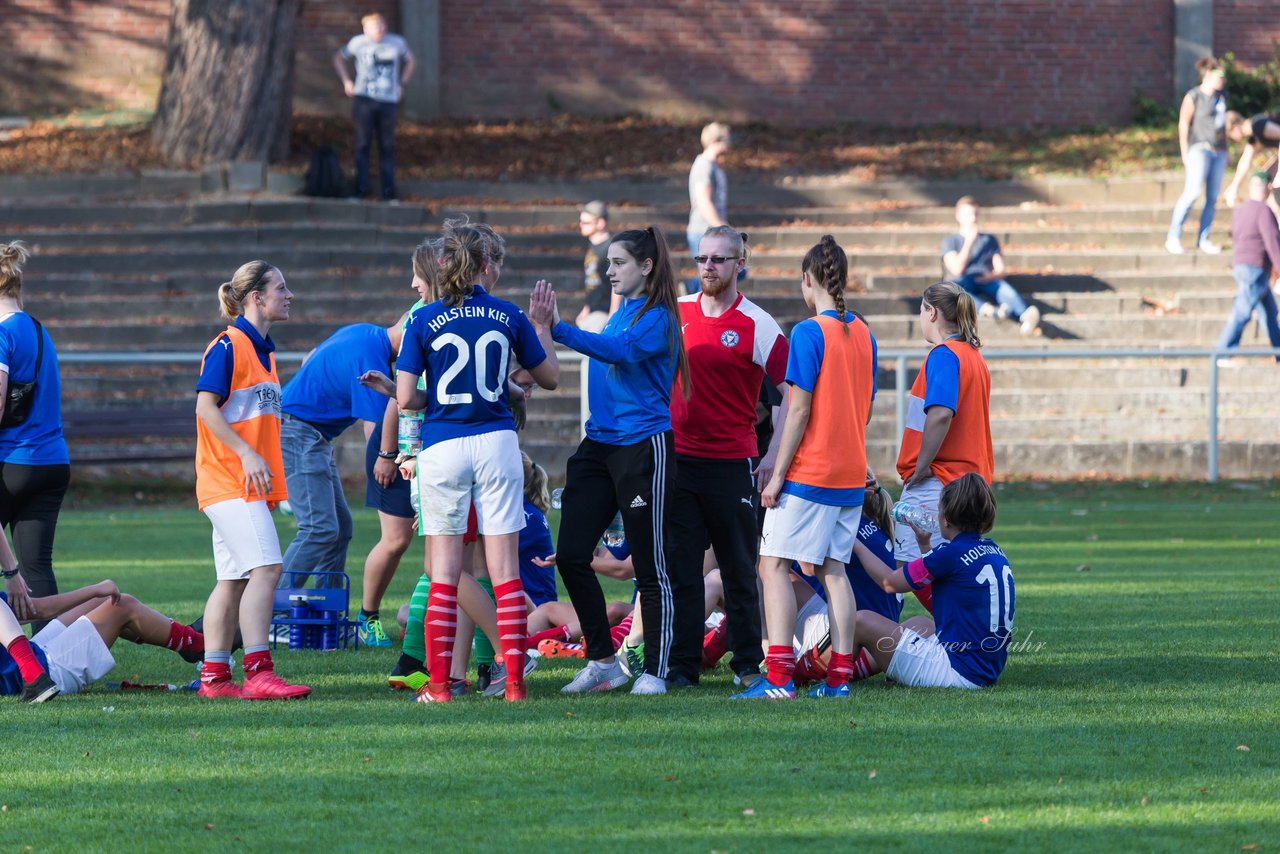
x=367, y=760
x=1176, y=540
x=209, y=826
x=1059, y=781
x=178, y=789
x=1145, y=800
x=1080, y=511
x=570, y=715
x=985, y=819
x=1252, y=846
x=1084, y=567
x=1243, y=748
x=86, y=753
x=872, y=774
x=671, y=778
x=852, y=724
x=1092, y=538
x=4, y=807
x=748, y=812
x=1204, y=791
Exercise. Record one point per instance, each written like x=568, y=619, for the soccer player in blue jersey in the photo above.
x=322, y=400
x=625, y=462
x=462, y=345
x=966, y=643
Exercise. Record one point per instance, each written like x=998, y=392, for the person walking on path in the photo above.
x=1255, y=252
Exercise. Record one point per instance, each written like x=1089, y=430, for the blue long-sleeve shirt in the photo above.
x=630, y=373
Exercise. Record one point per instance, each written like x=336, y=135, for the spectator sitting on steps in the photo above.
x=973, y=260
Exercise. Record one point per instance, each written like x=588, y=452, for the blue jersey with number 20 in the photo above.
x=464, y=353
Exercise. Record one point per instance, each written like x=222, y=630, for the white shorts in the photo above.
x=922, y=663
x=813, y=626
x=926, y=495
x=798, y=529
x=484, y=469
x=77, y=655
x=244, y=538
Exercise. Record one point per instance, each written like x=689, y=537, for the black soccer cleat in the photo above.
x=40, y=690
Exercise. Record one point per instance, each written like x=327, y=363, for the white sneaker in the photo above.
x=987, y=310
x=1208, y=247
x=1030, y=320
x=498, y=676
x=648, y=685
x=1002, y=313
x=1173, y=246
x=597, y=677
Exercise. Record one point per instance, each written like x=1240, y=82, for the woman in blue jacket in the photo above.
x=34, y=466
x=626, y=461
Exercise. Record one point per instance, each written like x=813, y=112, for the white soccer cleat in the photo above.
x=597, y=677
x=649, y=685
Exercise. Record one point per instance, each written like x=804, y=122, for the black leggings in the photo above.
x=30, y=499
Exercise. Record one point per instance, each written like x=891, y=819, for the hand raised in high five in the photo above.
x=543, y=311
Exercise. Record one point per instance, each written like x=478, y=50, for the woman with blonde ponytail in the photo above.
x=35, y=468
x=948, y=429
x=814, y=498
x=239, y=479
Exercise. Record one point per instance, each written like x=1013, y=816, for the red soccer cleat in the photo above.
x=514, y=692
x=220, y=689
x=714, y=645
x=267, y=685
x=434, y=693
x=552, y=648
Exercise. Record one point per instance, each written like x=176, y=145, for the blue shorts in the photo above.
x=393, y=500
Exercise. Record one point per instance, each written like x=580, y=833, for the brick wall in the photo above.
x=1023, y=62
x=1019, y=62
x=63, y=54
x=1247, y=28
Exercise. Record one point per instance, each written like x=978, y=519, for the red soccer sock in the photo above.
x=441, y=625
x=215, y=671
x=864, y=666
x=255, y=662
x=513, y=624
x=714, y=645
x=781, y=662
x=619, y=633
x=839, y=669
x=559, y=633
x=28, y=665
x=184, y=638
x=925, y=595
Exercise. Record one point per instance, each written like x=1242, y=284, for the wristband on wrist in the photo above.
x=388, y=455
x=10, y=573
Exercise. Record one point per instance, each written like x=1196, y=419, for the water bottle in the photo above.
x=329, y=632
x=557, y=497
x=615, y=534
x=410, y=433
x=298, y=610
x=915, y=516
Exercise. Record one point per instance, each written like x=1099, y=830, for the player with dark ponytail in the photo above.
x=625, y=462
x=814, y=498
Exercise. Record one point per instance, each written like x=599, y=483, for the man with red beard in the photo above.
x=733, y=345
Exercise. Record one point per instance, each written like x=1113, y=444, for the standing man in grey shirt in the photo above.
x=708, y=189
x=384, y=65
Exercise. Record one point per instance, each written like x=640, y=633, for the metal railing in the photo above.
x=900, y=357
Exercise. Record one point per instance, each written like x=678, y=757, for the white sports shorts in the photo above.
x=77, y=654
x=244, y=538
x=922, y=663
x=798, y=529
x=924, y=494
x=484, y=469
x=812, y=625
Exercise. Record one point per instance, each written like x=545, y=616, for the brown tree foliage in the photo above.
x=227, y=92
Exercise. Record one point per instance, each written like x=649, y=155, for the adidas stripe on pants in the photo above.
x=636, y=480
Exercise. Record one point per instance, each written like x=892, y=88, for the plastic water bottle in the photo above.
x=915, y=516
x=615, y=534
x=298, y=610
x=557, y=497
x=410, y=433
x=329, y=632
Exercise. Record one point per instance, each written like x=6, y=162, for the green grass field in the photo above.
x=1138, y=711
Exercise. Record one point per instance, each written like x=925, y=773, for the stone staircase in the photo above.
x=136, y=274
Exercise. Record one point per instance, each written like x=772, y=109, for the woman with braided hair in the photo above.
x=625, y=462
x=814, y=499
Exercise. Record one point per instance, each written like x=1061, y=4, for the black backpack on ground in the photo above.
x=324, y=176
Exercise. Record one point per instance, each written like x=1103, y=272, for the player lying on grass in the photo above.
x=74, y=649
x=973, y=599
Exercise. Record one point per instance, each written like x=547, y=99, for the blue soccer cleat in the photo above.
x=822, y=689
x=763, y=689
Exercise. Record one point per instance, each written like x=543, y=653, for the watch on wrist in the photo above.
x=388, y=455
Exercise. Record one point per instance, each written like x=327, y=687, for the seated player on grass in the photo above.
x=973, y=599
x=74, y=649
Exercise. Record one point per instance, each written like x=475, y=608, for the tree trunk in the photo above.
x=227, y=92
